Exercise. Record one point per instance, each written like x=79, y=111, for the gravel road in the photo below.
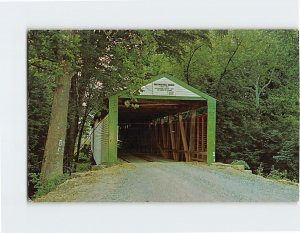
x=165, y=181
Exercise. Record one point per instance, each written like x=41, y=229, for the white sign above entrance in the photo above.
x=166, y=87
x=163, y=89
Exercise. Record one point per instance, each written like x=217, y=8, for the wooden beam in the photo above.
x=160, y=149
x=164, y=141
x=199, y=160
x=158, y=141
x=198, y=136
x=151, y=135
x=172, y=136
x=193, y=152
x=192, y=133
x=186, y=125
x=183, y=137
x=159, y=101
x=177, y=140
x=156, y=131
x=167, y=135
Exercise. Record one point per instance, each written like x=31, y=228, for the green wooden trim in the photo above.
x=211, y=124
x=177, y=81
x=113, y=129
x=211, y=131
x=162, y=97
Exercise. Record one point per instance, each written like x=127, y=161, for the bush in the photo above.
x=82, y=167
x=277, y=175
x=260, y=170
x=241, y=162
x=83, y=157
x=43, y=189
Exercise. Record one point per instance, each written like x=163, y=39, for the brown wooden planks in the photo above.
x=183, y=137
x=177, y=141
x=198, y=136
x=192, y=133
x=164, y=140
x=167, y=136
x=172, y=136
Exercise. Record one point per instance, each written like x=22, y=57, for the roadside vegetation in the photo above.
x=253, y=74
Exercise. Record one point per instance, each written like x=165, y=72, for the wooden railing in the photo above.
x=182, y=138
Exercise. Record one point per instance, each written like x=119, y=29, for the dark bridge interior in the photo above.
x=174, y=129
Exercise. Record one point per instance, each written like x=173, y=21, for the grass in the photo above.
x=43, y=189
x=242, y=163
x=83, y=168
x=72, y=188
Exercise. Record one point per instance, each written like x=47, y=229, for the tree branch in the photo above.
x=266, y=85
x=39, y=66
x=226, y=68
x=189, y=63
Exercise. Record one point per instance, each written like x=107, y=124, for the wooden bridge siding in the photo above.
x=176, y=138
x=187, y=137
x=113, y=129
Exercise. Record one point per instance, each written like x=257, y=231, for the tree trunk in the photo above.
x=225, y=70
x=187, y=69
x=259, y=91
x=54, y=149
x=72, y=130
x=80, y=135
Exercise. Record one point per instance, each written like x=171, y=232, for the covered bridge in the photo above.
x=167, y=118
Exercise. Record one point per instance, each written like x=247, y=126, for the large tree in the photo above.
x=56, y=53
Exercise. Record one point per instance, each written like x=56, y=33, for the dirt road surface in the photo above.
x=164, y=181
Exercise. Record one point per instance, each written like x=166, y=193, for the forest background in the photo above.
x=253, y=74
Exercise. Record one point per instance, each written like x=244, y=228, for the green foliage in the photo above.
x=131, y=104
x=260, y=170
x=43, y=189
x=252, y=73
x=241, y=162
x=83, y=166
x=35, y=179
x=257, y=93
x=275, y=174
x=288, y=157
